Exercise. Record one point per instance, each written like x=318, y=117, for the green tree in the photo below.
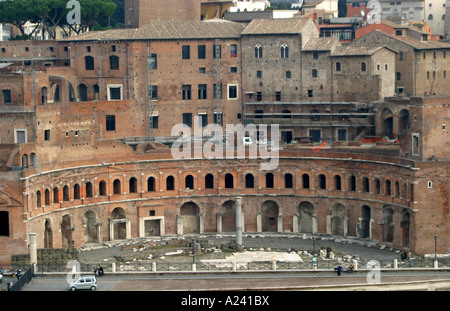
x=19, y=12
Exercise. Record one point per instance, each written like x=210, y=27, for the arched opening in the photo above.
x=322, y=180
x=96, y=92
x=66, y=231
x=38, y=199
x=305, y=220
x=269, y=215
x=32, y=159
x=352, y=183
x=209, y=181
x=48, y=235
x=387, y=187
x=90, y=229
x=102, y=188
x=337, y=220
x=404, y=120
x=24, y=161
x=284, y=51
x=269, y=180
x=189, y=182
x=249, y=181
x=132, y=183
x=397, y=189
x=229, y=181
x=258, y=51
x=116, y=186
x=82, y=92
x=170, y=183
x=228, y=211
x=388, y=224
x=151, y=183
x=365, y=222
x=365, y=184
x=388, y=123
x=89, y=192
x=65, y=193
x=189, y=215
x=119, y=227
x=76, y=192
x=72, y=95
x=56, y=195
x=305, y=181
x=337, y=182
x=44, y=94
x=47, y=197
x=288, y=181
x=377, y=186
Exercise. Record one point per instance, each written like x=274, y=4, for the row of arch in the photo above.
x=305, y=221
x=284, y=51
x=288, y=181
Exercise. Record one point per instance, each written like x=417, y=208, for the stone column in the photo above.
x=219, y=222
x=128, y=229
x=345, y=226
x=179, y=225
x=328, y=217
x=33, y=250
x=314, y=224
x=100, y=232
x=295, y=228
x=201, y=219
x=280, y=223
x=259, y=222
x=238, y=223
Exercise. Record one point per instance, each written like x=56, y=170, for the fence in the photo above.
x=23, y=280
x=223, y=266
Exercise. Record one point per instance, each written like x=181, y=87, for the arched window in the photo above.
x=89, y=63
x=337, y=182
x=249, y=181
x=284, y=51
x=82, y=92
x=430, y=17
x=209, y=181
x=32, y=159
x=229, y=181
x=170, y=183
x=365, y=184
x=151, y=184
x=314, y=73
x=76, y=192
x=338, y=66
x=65, y=193
x=114, y=62
x=288, y=181
x=258, y=51
x=133, y=185
x=89, y=190
x=269, y=180
x=322, y=181
x=189, y=182
x=38, y=199
x=305, y=180
x=116, y=186
x=387, y=187
x=24, y=161
x=47, y=197
x=363, y=66
x=102, y=188
x=96, y=92
x=352, y=183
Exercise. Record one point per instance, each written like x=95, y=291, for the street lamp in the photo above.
x=435, y=247
x=193, y=250
x=73, y=249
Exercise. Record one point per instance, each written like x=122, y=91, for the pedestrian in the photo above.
x=338, y=270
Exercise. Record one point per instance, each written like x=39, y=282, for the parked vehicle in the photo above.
x=84, y=282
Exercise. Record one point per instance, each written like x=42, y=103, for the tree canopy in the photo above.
x=50, y=14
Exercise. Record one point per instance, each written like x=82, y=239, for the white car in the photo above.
x=84, y=282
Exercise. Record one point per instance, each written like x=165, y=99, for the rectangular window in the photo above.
x=114, y=92
x=88, y=48
x=310, y=93
x=415, y=144
x=187, y=119
x=258, y=96
x=155, y=120
x=154, y=92
x=315, y=55
x=202, y=70
x=259, y=74
x=217, y=51
x=186, y=92
x=277, y=96
x=4, y=223
x=111, y=123
x=203, y=119
x=201, y=52
x=113, y=48
x=47, y=135
x=20, y=136
x=186, y=52
x=202, y=91
x=6, y=96
x=232, y=92
x=233, y=69
x=215, y=118
x=154, y=61
x=233, y=50
x=288, y=75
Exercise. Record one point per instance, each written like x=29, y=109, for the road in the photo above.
x=251, y=281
